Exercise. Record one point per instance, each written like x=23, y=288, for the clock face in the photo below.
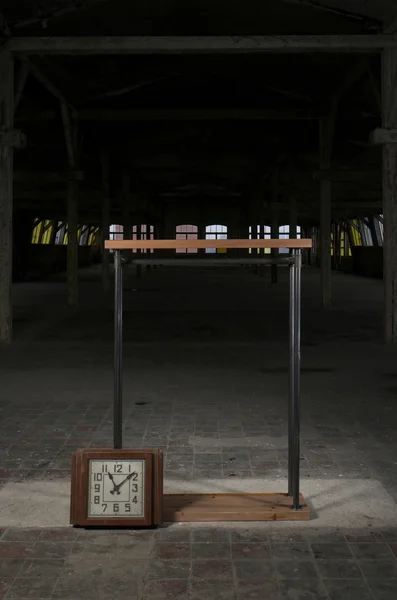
x=116, y=488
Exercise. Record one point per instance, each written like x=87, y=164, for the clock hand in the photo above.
x=114, y=485
x=124, y=480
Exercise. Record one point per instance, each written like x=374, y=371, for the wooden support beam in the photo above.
x=172, y=244
x=40, y=177
x=20, y=85
x=104, y=45
x=389, y=96
x=326, y=134
x=6, y=197
x=13, y=138
x=49, y=86
x=72, y=209
x=384, y=136
x=348, y=175
x=105, y=217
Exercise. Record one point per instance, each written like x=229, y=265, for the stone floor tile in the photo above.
x=171, y=569
x=254, y=569
x=296, y=569
x=347, y=589
x=249, y=535
x=338, y=569
x=250, y=550
x=385, y=589
x=21, y=535
x=379, y=569
x=61, y=534
x=10, y=567
x=51, y=550
x=173, y=534
x=47, y=568
x=210, y=550
x=212, y=569
x=212, y=590
x=305, y=589
x=15, y=549
x=166, y=589
x=252, y=589
x=291, y=550
x=31, y=587
x=211, y=535
x=5, y=584
x=331, y=551
x=371, y=551
x=167, y=550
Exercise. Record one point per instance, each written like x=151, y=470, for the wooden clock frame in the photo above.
x=153, y=483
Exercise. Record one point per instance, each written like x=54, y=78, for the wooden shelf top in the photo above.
x=185, y=244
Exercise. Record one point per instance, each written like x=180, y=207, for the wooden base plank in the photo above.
x=191, y=508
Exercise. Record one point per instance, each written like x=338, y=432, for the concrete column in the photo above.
x=73, y=243
x=389, y=105
x=326, y=137
x=6, y=196
x=325, y=242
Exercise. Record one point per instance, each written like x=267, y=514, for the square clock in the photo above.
x=113, y=488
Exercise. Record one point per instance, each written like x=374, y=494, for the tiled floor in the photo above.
x=186, y=563
x=209, y=386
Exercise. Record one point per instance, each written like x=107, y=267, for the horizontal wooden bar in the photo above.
x=174, y=244
x=102, y=45
x=190, y=261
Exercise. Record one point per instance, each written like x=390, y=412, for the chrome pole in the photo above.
x=118, y=349
x=295, y=404
x=292, y=342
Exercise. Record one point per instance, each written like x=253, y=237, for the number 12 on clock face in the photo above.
x=116, y=488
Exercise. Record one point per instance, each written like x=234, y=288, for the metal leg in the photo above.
x=118, y=348
x=292, y=343
x=295, y=399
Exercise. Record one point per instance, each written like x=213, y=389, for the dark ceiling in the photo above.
x=119, y=101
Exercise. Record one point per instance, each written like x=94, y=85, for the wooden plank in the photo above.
x=389, y=95
x=6, y=196
x=173, y=244
x=102, y=45
x=384, y=136
x=202, y=508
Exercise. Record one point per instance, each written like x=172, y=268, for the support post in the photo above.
x=389, y=104
x=326, y=135
x=72, y=209
x=294, y=382
x=105, y=218
x=6, y=196
x=118, y=352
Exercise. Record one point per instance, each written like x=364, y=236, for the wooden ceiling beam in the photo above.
x=105, y=45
